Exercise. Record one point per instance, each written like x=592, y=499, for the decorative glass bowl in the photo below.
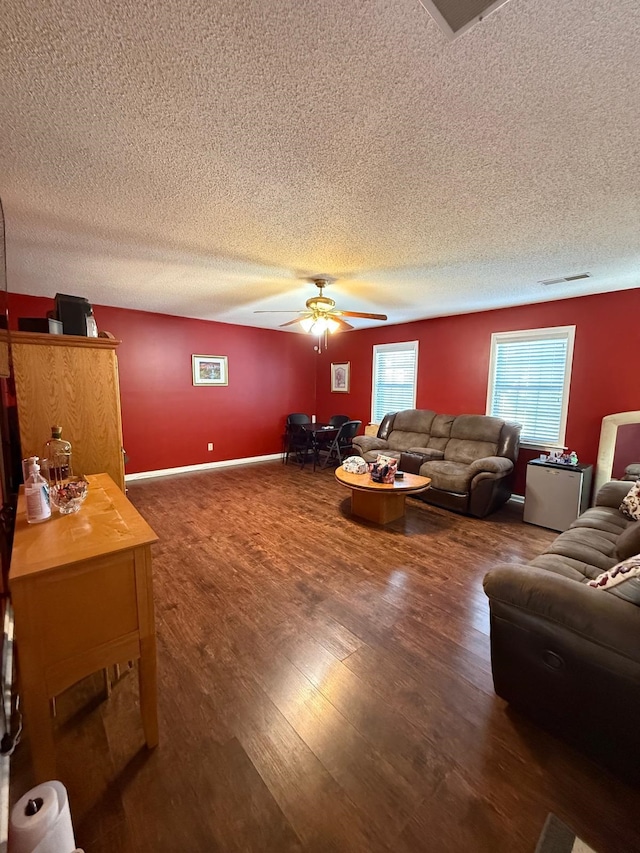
x=68, y=494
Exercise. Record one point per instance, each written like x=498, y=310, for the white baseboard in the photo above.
x=202, y=466
x=517, y=499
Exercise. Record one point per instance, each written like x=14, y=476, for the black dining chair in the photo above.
x=295, y=439
x=324, y=439
x=342, y=443
x=338, y=420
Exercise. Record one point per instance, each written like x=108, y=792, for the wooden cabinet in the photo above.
x=4, y=354
x=70, y=381
x=82, y=595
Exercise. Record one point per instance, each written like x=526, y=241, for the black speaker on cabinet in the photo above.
x=73, y=311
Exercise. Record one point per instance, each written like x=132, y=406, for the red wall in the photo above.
x=167, y=422
x=453, y=363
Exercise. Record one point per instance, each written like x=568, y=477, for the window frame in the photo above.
x=400, y=346
x=547, y=333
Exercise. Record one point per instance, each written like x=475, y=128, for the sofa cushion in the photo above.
x=593, y=547
x=630, y=505
x=569, y=567
x=441, y=426
x=467, y=450
x=414, y=420
x=448, y=476
x=401, y=440
x=601, y=518
x=622, y=580
x=473, y=437
x=372, y=455
x=628, y=543
x=612, y=493
x=440, y=431
x=477, y=428
x=367, y=443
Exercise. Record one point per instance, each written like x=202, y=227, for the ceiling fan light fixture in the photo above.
x=323, y=318
x=321, y=304
x=320, y=326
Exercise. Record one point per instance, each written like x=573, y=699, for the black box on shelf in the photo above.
x=73, y=311
x=40, y=324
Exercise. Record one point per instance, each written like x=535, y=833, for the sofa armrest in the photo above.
x=594, y=614
x=613, y=493
x=365, y=443
x=492, y=464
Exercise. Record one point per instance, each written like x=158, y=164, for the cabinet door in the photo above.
x=553, y=497
x=75, y=386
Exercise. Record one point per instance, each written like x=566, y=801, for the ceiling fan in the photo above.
x=322, y=316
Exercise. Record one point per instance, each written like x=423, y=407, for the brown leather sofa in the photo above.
x=469, y=458
x=566, y=654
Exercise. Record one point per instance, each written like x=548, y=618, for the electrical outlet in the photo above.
x=210, y=446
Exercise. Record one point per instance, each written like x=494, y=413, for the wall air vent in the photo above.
x=455, y=17
x=577, y=277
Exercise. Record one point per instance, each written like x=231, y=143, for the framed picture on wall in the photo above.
x=210, y=369
x=340, y=376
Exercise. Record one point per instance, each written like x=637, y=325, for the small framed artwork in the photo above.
x=340, y=376
x=210, y=369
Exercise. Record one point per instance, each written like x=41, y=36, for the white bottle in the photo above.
x=36, y=492
x=92, y=326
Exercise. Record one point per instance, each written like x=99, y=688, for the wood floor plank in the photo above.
x=404, y=745
x=314, y=803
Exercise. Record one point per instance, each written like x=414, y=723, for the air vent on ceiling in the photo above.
x=577, y=277
x=454, y=17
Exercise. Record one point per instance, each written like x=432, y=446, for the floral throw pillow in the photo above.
x=625, y=575
x=630, y=506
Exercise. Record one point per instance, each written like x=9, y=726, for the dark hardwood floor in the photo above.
x=324, y=685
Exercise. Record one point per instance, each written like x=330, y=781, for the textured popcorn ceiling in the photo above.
x=200, y=158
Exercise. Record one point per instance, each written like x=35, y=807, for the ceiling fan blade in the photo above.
x=291, y=322
x=360, y=314
x=344, y=326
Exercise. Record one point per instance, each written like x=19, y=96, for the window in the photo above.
x=529, y=378
x=395, y=368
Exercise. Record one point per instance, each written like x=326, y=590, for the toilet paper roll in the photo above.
x=41, y=821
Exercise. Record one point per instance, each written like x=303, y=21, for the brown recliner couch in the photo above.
x=566, y=654
x=469, y=458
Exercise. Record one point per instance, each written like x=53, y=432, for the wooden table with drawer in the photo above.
x=82, y=594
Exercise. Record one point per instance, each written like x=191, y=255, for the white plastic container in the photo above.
x=36, y=492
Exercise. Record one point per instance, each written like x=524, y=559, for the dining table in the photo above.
x=318, y=434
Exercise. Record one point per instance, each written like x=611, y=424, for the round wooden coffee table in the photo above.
x=380, y=502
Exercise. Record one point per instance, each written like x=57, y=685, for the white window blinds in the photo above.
x=395, y=368
x=529, y=380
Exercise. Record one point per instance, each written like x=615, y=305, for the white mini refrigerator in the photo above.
x=556, y=494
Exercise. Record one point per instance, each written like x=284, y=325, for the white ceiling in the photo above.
x=201, y=158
